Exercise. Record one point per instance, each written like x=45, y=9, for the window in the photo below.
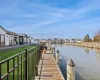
x=2, y=38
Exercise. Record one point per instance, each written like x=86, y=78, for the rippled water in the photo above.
x=87, y=61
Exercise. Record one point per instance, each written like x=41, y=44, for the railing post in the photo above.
x=0, y=71
x=70, y=70
x=38, y=54
x=57, y=57
x=40, y=50
x=26, y=64
x=36, y=70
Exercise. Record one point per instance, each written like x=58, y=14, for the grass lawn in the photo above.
x=8, y=53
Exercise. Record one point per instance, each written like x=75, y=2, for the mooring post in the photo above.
x=70, y=70
x=52, y=50
x=57, y=57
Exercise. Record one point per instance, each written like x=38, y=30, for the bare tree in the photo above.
x=97, y=36
x=97, y=33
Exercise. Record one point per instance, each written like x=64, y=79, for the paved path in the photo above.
x=50, y=69
x=11, y=47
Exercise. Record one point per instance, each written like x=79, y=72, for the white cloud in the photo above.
x=45, y=16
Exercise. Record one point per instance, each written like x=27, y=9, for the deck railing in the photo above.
x=21, y=66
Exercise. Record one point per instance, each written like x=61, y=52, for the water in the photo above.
x=87, y=61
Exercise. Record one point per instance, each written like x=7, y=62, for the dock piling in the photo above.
x=70, y=70
x=57, y=57
x=53, y=52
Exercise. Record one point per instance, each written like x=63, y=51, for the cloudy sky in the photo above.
x=51, y=18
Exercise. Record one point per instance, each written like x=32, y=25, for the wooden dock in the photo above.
x=48, y=68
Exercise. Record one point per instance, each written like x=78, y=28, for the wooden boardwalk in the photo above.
x=49, y=69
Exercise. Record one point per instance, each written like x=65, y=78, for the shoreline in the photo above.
x=92, y=45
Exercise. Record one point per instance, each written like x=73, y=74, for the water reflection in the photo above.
x=97, y=54
x=86, y=60
x=87, y=50
x=97, y=51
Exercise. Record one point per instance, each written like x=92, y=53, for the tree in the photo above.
x=97, y=36
x=87, y=38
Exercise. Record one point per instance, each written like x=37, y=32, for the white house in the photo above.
x=23, y=39
x=8, y=38
x=67, y=40
x=32, y=40
x=79, y=40
x=3, y=36
x=73, y=40
x=13, y=38
x=29, y=39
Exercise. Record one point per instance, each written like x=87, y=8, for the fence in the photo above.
x=21, y=66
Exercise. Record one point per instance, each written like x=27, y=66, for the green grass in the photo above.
x=8, y=53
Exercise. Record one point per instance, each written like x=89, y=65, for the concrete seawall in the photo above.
x=84, y=44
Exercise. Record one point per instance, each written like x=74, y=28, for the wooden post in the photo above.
x=57, y=57
x=0, y=72
x=53, y=51
x=70, y=70
x=26, y=65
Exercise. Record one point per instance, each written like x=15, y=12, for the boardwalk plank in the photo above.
x=50, y=69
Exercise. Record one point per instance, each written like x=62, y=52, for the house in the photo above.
x=29, y=39
x=67, y=40
x=73, y=40
x=13, y=38
x=23, y=39
x=2, y=36
x=79, y=40
x=36, y=41
x=8, y=38
x=32, y=40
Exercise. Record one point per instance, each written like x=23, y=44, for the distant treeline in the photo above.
x=96, y=38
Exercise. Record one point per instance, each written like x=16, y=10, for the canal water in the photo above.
x=87, y=61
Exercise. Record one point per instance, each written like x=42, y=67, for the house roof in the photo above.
x=23, y=35
x=2, y=28
x=11, y=33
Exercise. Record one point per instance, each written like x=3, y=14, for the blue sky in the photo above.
x=51, y=18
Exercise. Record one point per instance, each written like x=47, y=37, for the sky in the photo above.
x=51, y=18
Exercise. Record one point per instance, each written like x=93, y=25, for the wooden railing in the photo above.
x=21, y=66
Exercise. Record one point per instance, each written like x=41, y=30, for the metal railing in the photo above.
x=21, y=66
